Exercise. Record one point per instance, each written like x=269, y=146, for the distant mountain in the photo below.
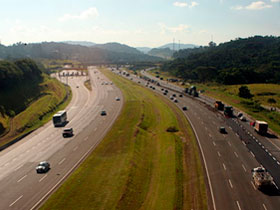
x=117, y=47
x=144, y=49
x=178, y=46
x=107, y=53
x=82, y=43
x=165, y=53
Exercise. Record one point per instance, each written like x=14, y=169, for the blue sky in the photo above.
x=137, y=23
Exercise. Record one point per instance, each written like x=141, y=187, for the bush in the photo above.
x=172, y=129
x=244, y=92
x=271, y=101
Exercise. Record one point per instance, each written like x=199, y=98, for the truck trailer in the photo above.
x=261, y=127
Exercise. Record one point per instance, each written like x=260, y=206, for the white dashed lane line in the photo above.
x=16, y=201
x=21, y=178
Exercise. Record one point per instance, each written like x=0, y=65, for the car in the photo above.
x=154, y=88
x=67, y=132
x=162, y=89
x=243, y=118
x=43, y=167
x=118, y=99
x=240, y=114
x=171, y=98
x=164, y=93
x=181, y=95
x=174, y=95
x=184, y=108
x=176, y=101
x=222, y=129
x=77, y=86
x=103, y=113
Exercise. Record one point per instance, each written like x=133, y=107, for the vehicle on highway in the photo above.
x=118, y=99
x=228, y=111
x=171, y=98
x=262, y=179
x=174, y=95
x=103, y=113
x=67, y=132
x=185, y=108
x=164, y=93
x=77, y=86
x=243, y=118
x=60, y=118
x=43, y=167
x=181, y=95
x=222, y=129
x=219, y=105
x=176, y=101
x=240, y=114
x=261, y=127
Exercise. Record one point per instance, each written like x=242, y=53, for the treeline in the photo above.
x=88, y=55
x=19, y=83
x=242, y=61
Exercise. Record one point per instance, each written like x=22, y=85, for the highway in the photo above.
x=228, y=158
x=21, y=186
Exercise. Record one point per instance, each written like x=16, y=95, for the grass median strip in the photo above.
x=138, y=165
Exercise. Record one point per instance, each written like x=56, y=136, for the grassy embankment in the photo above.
x=229, y=95
x=138, y=165
x=42, y=105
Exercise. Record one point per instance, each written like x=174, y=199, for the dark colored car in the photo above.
x=181, y=95
x=43, y=167
x=222, y=130
x=185, y=108
x=103, y=113
x=67, y=132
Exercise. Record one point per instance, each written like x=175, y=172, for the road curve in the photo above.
x=21, y=186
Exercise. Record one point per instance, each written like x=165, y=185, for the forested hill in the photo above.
x=251, y=60
x=89, y=55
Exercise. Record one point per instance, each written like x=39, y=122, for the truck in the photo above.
x=261, y=178
x=192, y=91
x=261, y=127
x=219, y=105
x=228, y=111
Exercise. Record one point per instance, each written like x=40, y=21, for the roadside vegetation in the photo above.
x=28, y=98
x=139, y=164
x=87, y=84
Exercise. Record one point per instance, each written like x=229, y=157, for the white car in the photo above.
x=43, y=167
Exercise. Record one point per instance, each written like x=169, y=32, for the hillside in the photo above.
x=178, y=46
x=26, y=96
x=250, y=60
x=82, y=43
x=108, y=53
x=165, y=53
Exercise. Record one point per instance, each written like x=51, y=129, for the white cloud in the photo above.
x=275, y=0
x=185, y=4
x=89, y=13
x=257, y=5
x=179, y=28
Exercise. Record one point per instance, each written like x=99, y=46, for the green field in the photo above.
x=45, y=103
x=138, y=165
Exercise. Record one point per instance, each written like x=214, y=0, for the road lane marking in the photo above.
x=21, y=178
x=214, y=143
x=236, y=154
x=244, y=143
x=43, y=178
x=230, y=128
x=244, y=168
x=252, y=154
x=219, y=154
x=16, y=200
x=253, y=186
x=238, y=205
x=229, y=143
x=236, y=134
x=75, y=148
x=18, y=168
x=95, y=129
x=61, y=161
x=278, y=162
x=274, y=158
x=229, y=181
x=264, y=207
x=225, y=168
x=210, y=135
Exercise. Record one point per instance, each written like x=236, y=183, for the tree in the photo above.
x=244, y=92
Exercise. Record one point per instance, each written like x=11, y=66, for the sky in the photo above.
x=141, y=23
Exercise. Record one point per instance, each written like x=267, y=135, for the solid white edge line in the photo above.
x=16, y=200
x=264, y=206
x=238, y=205
x=205, y=164
x=252, y=154
x=60, y=162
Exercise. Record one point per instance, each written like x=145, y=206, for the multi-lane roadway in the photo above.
x=228, y=158
x=21, y=187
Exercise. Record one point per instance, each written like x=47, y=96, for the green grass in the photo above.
x=39, y=111
x=138, y=165
x=88, y=85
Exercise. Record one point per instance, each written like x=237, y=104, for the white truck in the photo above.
x=261, y=127
x=261, y=177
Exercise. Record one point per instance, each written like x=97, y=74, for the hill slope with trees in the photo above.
x=242, y=61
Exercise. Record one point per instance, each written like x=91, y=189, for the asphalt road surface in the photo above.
x=21, y=186
x=228, y=158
